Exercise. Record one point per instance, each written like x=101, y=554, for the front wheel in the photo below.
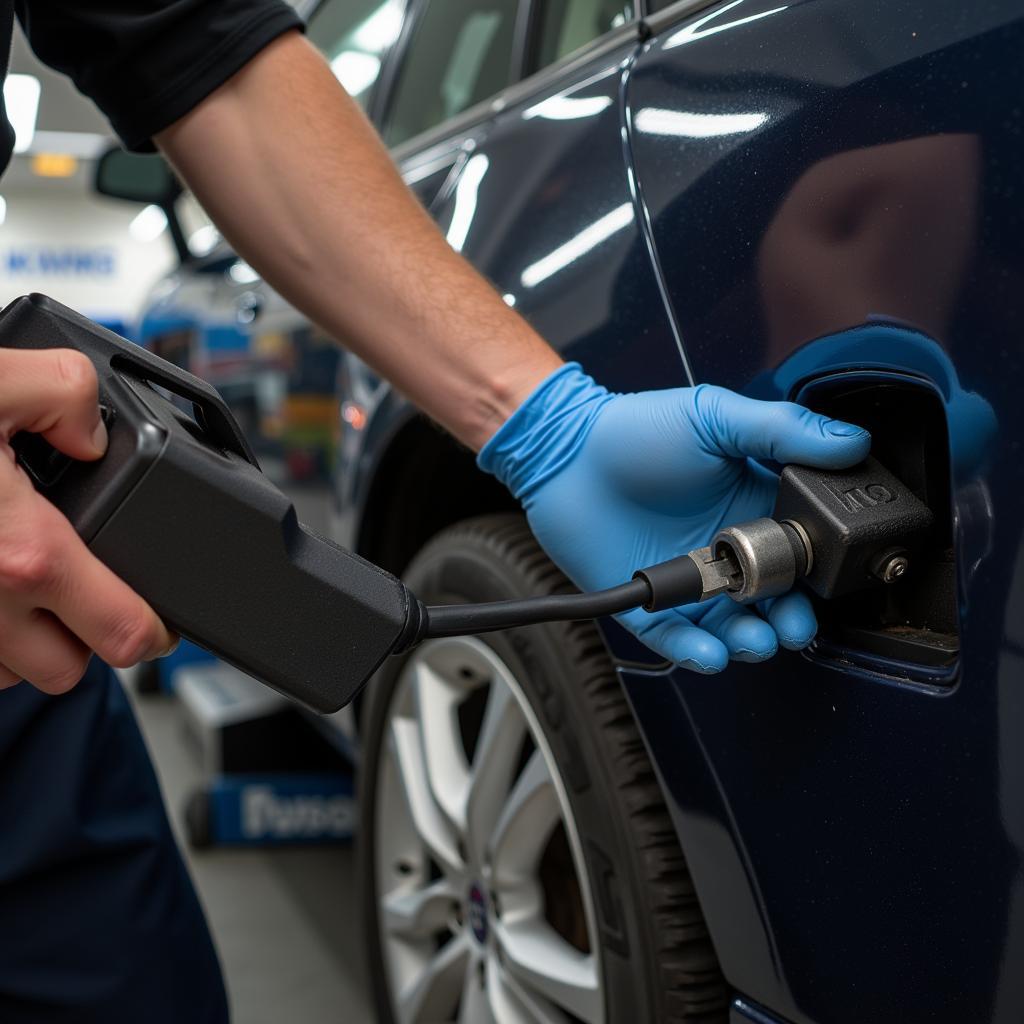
x=518, y=861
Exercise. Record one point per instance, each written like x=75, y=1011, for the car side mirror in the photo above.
x=142, y=178
x=136, y=177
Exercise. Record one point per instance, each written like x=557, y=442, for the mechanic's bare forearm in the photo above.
x=288, y=167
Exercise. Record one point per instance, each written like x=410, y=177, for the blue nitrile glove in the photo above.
x=614, y=483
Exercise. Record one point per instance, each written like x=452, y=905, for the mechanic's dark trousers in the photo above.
x=99, y=923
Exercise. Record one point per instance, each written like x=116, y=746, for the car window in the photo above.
x=353, y=35
x=460, y=53
x=566, y=25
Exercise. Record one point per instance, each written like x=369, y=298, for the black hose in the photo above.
x=462, y=619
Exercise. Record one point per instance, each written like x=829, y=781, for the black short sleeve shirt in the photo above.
x=145, y=63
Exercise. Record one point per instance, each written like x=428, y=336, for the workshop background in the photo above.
x=284, y=920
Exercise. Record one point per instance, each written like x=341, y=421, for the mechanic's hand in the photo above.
x=58, y=603
x=613, y=483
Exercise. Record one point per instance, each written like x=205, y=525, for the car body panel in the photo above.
x=840, y=177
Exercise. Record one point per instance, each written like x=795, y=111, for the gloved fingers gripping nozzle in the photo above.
x=838, y=531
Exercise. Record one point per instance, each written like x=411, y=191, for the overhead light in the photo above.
x=509, y=299
x=3, y=209
x=21, y=98
x=83, y=145
x=148, y=225
x=589, y=238
x=356, y=71
x=54, y=165
x=657, y=121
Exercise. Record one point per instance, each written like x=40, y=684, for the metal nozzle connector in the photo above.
x=766, y=555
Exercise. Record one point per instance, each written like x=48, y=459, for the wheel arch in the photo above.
x=424, y=481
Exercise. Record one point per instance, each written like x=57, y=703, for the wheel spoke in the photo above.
x=525, y=823
x=421, y=912
x=473, y=1007
x=433, y=993
x=550, y=970
x=427, y=819
x=437, y=703
x=512, y=1004
x=494, y=760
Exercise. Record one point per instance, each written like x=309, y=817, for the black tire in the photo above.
x=657, y=960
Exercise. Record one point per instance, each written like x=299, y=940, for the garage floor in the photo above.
x=285, y=922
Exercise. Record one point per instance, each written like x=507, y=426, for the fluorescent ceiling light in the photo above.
x=589, y=238
x=148, y=225
x=3, y=209
x=81, y=145
x=356, y=71
x=21, y=98
x=568, y=108
x=655, y=121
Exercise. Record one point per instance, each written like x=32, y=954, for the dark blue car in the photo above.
x=817, y=200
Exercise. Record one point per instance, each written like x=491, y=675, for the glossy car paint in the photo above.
x=806, y=169
x=752, y=195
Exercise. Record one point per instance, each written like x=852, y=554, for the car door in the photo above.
x=833, y=198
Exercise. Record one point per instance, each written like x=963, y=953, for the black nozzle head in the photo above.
x=852, y=518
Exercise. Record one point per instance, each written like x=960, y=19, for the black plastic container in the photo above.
x=179, y=509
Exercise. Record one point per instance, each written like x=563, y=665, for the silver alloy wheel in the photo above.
x=475, y=924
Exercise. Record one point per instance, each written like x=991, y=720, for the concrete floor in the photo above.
x=285, y=921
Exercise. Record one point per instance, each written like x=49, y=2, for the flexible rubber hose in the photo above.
x=462, y=619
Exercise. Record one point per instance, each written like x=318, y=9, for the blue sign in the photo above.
x=282, y=809
x=62, y=261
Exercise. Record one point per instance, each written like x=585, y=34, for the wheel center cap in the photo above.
x=476, y=913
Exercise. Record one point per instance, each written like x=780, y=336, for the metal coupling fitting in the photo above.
x=768, y=556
